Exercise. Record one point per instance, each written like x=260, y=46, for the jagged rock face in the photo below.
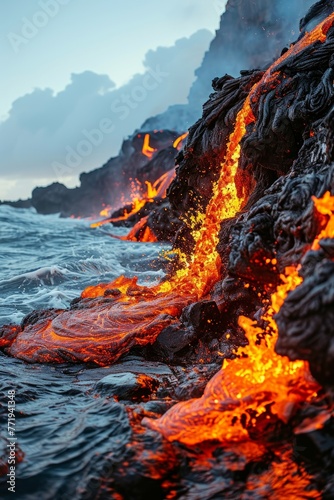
x=306, y=319
x=107, y=185
x=251, y=34
x=282, y=225
x=199, y=164
x=289, y=154
x=283, y=117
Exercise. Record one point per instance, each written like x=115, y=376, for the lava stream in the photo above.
x=202, y=269
x=65, y=333
x=258, y=383
x=147, y=150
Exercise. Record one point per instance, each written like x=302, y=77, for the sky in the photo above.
x=69, y=66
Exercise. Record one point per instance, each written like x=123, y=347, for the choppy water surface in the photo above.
x=72, y=422
x=46, y=261
x=65, y=427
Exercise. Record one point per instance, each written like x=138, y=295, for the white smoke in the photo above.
x=49, y=136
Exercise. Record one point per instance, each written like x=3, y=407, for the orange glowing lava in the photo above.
x=101, y=332
x=258, y=385
x=156, y=190
x=284, y=479
x=147, y=150
x=105, y=211
x=177, y=144
x=258, y=382
x=137, y=203
x=325, y=207
x=202, y=268
x=141, y=232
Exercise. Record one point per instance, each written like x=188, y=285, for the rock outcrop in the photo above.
x=110, y=185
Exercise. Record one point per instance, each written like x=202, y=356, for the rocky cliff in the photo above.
x=251, y=34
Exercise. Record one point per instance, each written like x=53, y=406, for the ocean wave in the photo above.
x=47, y=261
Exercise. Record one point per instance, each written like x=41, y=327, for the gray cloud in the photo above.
x=43, y=127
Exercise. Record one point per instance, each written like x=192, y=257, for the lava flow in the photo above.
x=136, y=204
x=147, y=150
x=258, y=384
x=157, y=190
x=107, y=321
x=153, y=191
x=177, y=144
x=202, y=269
x=140, y=232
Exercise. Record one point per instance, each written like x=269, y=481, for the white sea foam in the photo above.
x=46, y=261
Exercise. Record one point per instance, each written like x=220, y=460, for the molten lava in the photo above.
x=140, y=231
x=114, y=318
x=257, y=384
x=202, y=269
x=136, y=204
x=147, y=150
x=177, y=144
x=102, y=328
x=105, y=211
x=325, y=207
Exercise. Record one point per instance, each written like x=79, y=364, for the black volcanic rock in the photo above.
x=251, y=34
x=18, y=204
x=51, y=199
x=287, y=158
x=110, y=184
x=162, y=162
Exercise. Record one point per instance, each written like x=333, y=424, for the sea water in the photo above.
x=66, y=430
